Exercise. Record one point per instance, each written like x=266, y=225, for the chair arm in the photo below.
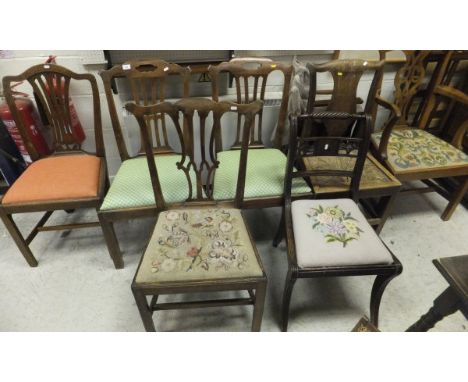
x=452, y=93
x=395, y=115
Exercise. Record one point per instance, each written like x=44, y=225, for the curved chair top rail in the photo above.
x=257, y=70
x=190, y=137
x=51, y=86
x=147, y=81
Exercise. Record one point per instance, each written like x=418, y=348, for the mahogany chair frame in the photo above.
x=55, y=103
x=147, y=79
x=241, y=73
x=255, y=286
x=408, y=81
x=300, y=146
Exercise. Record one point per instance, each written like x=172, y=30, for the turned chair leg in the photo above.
x=18, y=238
x=280, y=231
x=260, y=293
x=456, y=198
x=384, y=207
x=288, y=288
x=146, y=313
x=111, y=241
x=380, y=283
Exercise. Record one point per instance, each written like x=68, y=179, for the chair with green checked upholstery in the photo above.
x=265, y=166
x=131, y=194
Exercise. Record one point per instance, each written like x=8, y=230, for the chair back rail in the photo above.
x=147, y=81
x=355, y=147
x=244, y=72
x=51, y=86
x=193, y=142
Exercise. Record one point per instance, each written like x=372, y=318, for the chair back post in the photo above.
x=147, y=82
x=51, y=86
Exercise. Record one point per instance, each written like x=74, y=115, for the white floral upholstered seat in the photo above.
x=412, y=149
x=334, y=232
x=198, y=244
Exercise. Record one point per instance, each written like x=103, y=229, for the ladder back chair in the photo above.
x=376, y=181
x=130, y=194
x=266, y=166
x=69, y=178
x=412, y=153
x=198, y=245
x=328, y=238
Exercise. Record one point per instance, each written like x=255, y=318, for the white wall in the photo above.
x=14, y=62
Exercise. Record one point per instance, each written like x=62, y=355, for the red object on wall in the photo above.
x=76, y=127
x=32, y=123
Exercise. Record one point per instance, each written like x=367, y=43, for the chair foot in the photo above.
x=146, y=313
x=288, y=288
x=280, y=231
x=111, y=241
x=18, y=238
x=378, y=289
x=457, y=196
x=260, y=294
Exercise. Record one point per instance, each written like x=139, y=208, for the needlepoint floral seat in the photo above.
x=334, y=232
x=132, y=184
x=198, y=244
x=411, y=149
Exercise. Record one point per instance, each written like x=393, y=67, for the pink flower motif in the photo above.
x=192, y=252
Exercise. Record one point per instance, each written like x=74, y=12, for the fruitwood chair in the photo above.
x=328, y=238
x=130, y=195
x=266, y=166
x=198, y=245
x=70, y=177
x=412, y=153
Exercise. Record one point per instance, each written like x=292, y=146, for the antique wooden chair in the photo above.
x=266, y=166
x=130, y=194
x=198, y=245
x=415, y=154
x=327, y=238
x=68, y=179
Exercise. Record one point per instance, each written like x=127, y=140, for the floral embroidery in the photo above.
x=199, y=239
x=335, y=224
x=415, y=148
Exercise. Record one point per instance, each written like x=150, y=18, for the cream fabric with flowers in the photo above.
x=334, y=232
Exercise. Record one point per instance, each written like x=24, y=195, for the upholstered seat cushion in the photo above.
x=374, y=175
x=132, y=184
x=334, y=232
x=412, y=149
x=62, y=177
x=264, y=178
x=198, y=244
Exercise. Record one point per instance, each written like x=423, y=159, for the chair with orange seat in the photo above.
x=68, y=179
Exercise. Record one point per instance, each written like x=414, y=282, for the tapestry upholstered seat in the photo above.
x=411, y=149
x=132, y=183
x=57, y=178
x=264, y=178
x=198, y=244
x=334, y=232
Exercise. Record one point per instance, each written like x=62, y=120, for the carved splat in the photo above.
x=250, y=76
x=148, y=81
x=346, y=76
x=199, y=146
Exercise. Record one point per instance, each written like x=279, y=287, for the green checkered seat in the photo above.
x=132, y=184
x=264, y=177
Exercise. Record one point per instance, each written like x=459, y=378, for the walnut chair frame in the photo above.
x=244, y=74
x=356, y=148
x=408, y=81
x=54, y=100
x=148, y=82
x=199, y=198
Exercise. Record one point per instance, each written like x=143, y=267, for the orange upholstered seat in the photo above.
x=56, y=178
